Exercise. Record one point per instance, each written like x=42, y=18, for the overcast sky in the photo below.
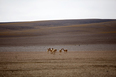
x=34, y=10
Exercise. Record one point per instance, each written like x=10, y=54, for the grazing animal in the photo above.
x=60, y=50
x=49, y=49
x=53, y=51
x=65, y=50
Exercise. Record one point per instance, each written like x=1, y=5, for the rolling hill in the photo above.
x=84, y=31
x=52, y=23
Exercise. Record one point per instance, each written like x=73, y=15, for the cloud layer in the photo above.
x=31, y=10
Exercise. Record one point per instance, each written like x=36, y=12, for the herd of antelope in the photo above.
x=52, y=50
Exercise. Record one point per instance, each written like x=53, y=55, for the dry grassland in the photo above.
x=87, y=36
x=70, y=64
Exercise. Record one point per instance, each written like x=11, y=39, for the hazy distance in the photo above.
x=37, y=10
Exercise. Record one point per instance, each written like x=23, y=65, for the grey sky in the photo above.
x=33, y=10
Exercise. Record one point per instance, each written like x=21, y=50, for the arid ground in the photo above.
x=91, y=45
x=70, y=64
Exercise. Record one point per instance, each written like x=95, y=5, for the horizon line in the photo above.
x=54, y=20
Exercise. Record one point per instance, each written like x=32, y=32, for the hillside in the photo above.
x=52, y=23
x=55, y=33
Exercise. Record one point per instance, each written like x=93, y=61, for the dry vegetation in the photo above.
x=71, y=64
x=34, y=29
x=44, y=33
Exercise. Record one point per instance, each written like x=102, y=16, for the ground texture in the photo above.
x=70, y=64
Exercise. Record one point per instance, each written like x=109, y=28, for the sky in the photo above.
x=38, y=10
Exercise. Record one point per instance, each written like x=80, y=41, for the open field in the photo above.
x=91, y=45
x=70, y=64
x=82, y=47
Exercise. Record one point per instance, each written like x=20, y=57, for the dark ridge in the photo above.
x=62, y=22
x=15, y=27
x=31, y=25
x=69, y=22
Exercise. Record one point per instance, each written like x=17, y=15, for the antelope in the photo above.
x=60, y=50
x=65, y=50
x=49, y=49
x=53, y=51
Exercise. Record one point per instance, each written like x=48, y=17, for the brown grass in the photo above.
x=103, y=27
x=70, y=64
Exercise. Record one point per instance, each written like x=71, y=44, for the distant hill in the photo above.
x=71, y=22
x=50, y=23
x=58, y=32
x=62, y=22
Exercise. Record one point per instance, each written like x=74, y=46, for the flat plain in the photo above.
x=70, y=64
